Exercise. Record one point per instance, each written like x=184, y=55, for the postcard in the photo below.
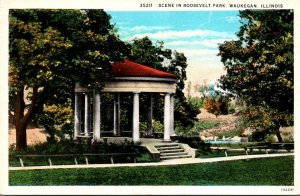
x=189, y=97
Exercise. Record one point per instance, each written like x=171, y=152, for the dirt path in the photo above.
x=33, y=136
x=204, y=115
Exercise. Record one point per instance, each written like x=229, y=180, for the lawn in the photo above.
x=265, y=171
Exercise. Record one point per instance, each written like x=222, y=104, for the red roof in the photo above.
x=131, y=69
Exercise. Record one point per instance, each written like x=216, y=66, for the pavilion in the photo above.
x=129, y=77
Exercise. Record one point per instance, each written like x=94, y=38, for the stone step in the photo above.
x=175, y=157
x=173, y=154
x=171, y=150
x=167, y=147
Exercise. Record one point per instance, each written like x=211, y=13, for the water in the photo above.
x=223, y=141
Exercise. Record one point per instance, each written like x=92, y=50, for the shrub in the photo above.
x=217, y=106
x=69, y=147
x=290, y=138
x=57, y=120
x=158, y=127
x=231, y=109
x=196, y=102
x=184, y=131
x=270, y=138
x=195, y=142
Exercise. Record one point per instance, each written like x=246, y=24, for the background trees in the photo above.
x=260, y=68
x=50, y=50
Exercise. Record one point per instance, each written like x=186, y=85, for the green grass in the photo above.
x=196, y=129
x=266, y=171
x=229, y=133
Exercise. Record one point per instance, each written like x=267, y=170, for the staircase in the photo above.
x=171, y=151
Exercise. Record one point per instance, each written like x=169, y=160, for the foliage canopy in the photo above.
x=260, y=68
x=49, y=51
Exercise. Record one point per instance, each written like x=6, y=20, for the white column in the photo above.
x=77, y=115
x=97, y=116
x=167, y=117
x=116, y=127
x=86, y=114
x=115, y=116
x=136, y=116
x=118, y=114
x=172, y=132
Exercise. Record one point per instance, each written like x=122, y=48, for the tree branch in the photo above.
x=33, y=105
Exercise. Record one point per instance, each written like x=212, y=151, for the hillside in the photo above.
x=227, y=122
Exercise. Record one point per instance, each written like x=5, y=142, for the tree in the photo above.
x=185, y=112
x=49, y=51
x=260, y=67
x=202, y=88
x=57, y=120
x=154, y=55
x=217, y=106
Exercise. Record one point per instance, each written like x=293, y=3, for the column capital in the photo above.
x=136, y=92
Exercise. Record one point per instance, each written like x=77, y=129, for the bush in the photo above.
x=195, y=142
x=217, y=106
x=270, y=138
x=158, y=127
x=185, y=131
x=231, y=109
x=290, y=138
x=70, y=147
x=196, y=102
x=57, y=120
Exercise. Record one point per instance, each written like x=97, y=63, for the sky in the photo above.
x=195, y=33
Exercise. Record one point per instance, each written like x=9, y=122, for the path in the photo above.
x=165, y=162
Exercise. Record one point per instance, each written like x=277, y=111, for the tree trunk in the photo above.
x=21, y=137
x=21, y=119
x=279, y=136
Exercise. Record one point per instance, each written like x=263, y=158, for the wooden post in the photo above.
x=21, y=162
x=50, y=162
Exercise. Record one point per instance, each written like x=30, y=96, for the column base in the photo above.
x=84, y=140
x=95, y=142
